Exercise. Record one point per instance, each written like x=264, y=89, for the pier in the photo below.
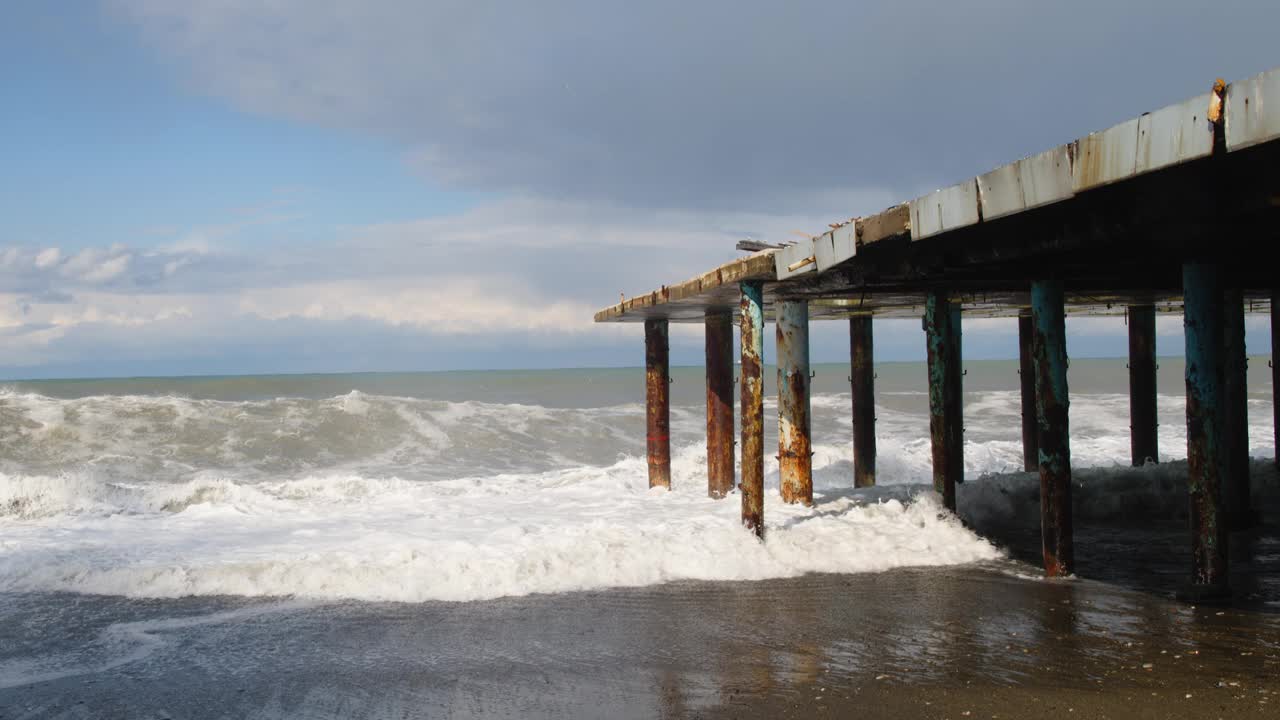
x=1167, y=212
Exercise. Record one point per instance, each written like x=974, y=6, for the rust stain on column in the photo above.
x=1275, y=369
x=657, y=402
x=862, y=380
x=1049, y=354
x=1142, y=385
x=751, y=333
x=1203, y=319
x=1236, y=412
x=1027, y=380
x=719, y=337
x=795, y=446
x=946, y=430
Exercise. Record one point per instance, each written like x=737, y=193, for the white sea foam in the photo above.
x=464, y=539
x=388, y=498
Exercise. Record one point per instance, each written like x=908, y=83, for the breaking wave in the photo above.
x=375, y=497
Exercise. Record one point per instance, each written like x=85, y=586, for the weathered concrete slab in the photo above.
x=836, y=245
x=1175, y=134
x=796, y=259
x=1106, y=157
x=1253, y=110
x=1028, y=183
x=946, y=209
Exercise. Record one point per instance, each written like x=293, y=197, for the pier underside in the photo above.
x=1169, y=212
x=1114, y=246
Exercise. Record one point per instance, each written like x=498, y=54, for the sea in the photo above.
x=246, y=546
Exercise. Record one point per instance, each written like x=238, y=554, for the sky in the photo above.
x=230, y=186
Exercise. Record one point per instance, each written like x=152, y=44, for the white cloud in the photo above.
x=108, y=269
x=48, y=257
x=459, y=305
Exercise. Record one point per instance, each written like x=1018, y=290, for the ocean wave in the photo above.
x=389, y=498
x=466, y=539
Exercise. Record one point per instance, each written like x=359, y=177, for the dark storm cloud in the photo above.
x=717, y=103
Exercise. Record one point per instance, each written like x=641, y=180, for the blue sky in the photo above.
x=238, y=186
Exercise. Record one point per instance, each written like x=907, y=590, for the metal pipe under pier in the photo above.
x=751, y=333
x=1203, y=315
x=1049, y=354
x=795, y=445
x=657, y=380
x=719, y=351
x=862, y=380
x=1143, y=424
x=946, y=430
x=1235, y=391
x=1027, y=382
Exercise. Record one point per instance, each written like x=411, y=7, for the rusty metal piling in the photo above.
x=1275, y=369
x=1027, y=381
x=1203, y=320
x=719, y=340
x=1235, y=412
x=946, y=430
x=1049, y=355
x=657, y=378
x=751, y=333
x=862, y=379
x=795, y=445
x=1143, y=445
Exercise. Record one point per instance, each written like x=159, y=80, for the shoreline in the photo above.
x=915, y=642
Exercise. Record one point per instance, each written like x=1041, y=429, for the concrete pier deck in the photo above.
x=1113, y=213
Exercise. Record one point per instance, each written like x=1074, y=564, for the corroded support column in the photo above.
x=1203, y=320
x=862, y=378
x=946, y=430
x=719, y=336
x=1235, y=418
x=1027, y=380
x=657, y=379
x=795, y=446
x=1142, y=385
x=751, y=333
x=1049, y=355
x=1275, y=370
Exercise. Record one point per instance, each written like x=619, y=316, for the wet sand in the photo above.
x=957, y=642
x=988, y=641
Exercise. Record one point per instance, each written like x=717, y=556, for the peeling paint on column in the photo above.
x=1236, y=491
x=862, y=381
x=795, y=446
x=657, y=377
x=942, y=333
x=1203, y=319
x=1142, y=385
x=1027, y=384
x=719, y=342
x=751, y=487
x=1049, y=357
